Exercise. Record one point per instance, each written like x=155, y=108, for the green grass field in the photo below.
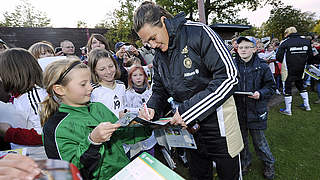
x=294, y=141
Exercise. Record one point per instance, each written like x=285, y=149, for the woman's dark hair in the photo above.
x=149, y=13
x=94, y=56
x=19, y=71
x=100, y=38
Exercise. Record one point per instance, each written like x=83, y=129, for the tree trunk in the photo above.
x=202, y=15
x=206, y=9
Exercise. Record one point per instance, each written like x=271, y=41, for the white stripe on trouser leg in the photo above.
x=240, y=171
x=221, y=121
x=283, y=87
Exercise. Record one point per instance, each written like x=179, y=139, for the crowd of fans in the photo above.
x=121, y=81
x=35, y=83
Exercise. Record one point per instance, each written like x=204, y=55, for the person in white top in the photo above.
x=22, y=78
x=138, y=88
x=270, y=56
x=139, y=92
x=104, y=71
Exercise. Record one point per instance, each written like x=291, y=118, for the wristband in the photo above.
x=94, y=143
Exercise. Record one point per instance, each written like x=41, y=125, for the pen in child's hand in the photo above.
x=145, y=108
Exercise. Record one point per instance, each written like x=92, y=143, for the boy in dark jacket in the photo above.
x=255, y=77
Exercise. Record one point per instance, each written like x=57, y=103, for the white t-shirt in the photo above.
x=111, y=98
x=134, y=100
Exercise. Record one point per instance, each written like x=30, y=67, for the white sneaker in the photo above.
x=306, y=108
x=285, y=112
x=278, y=92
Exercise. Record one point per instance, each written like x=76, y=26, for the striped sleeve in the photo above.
x=95, y=85
x=220, y=88
x=34, y=100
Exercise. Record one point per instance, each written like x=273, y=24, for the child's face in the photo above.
x=270, y=48
x=45, y=53
x=136, y=63
x=97, y=44
x=246, y=50
x=78, y=91
x=138, y=78
x=106, y=70
x=260, y=46
x=234, y=44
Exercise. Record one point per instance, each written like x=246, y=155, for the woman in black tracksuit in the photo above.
x=193, y=66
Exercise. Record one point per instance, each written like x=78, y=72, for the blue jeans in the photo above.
x=260, y=145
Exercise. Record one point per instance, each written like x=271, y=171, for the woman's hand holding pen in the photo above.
x=103, y=132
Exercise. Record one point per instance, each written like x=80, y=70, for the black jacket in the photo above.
x=297, y=52
x=197, y=70
x=255, y=75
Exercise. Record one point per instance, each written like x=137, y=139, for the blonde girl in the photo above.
x=107, y=90
x=78, y=131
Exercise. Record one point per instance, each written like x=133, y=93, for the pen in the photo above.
x=145, y=108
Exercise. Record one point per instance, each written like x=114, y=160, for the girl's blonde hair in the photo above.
x=56, y=73
x=133, y=69
x=94, y=56
x=35, y=49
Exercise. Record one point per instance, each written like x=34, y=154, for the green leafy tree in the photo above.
x=283, y=17
x=316, y=28
x=220, y=11
x=254, y=31
x=25, y=15
x=82, y=24
x=121, y=26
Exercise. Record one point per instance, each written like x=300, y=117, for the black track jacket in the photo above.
x=296, y=52
x=197, y=70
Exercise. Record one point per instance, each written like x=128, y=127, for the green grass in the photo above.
x=294, y=141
